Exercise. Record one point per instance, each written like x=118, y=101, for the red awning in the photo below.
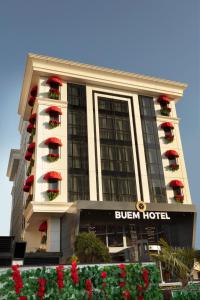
x=43, y=226
x=30, y=180
x=26, y=188
x=167, y=125
x=54, y=109
x=32, y=118
x=28, y=155
x=164, y=98
x=34, y=91
x=176, y=183
x=171, y=153
x=31, y=100
x=53, y=140
x=55, y=80
x=31, y=147
x=52, y=175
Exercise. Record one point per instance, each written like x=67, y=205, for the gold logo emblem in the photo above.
x=141, y=206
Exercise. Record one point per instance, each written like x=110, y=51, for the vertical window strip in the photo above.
x=152, y=150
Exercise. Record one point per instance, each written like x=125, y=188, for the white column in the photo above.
x=91, y=146
x=141, y=153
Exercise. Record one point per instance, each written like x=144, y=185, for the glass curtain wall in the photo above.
x=118, y=176
x=152, y=150
x=78, y=183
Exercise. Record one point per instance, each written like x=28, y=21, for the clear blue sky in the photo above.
x=158, y=38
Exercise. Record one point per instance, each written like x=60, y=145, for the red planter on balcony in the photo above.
x=31, y=148
x=26, y=188
x=30, y=180
x=28, y=155
x=43, y=226
x=31, y=101
x=179, y=198
x=30, y=128
x=32, y=118
x=34, y=91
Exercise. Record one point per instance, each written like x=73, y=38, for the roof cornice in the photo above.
x=90, y=74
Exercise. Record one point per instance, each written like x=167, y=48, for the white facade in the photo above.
x=111, y=84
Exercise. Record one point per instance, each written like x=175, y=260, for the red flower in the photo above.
x=103, y=275
x=74, y=272
x=140, y=288
x=60, y=276
x=140, y=297
x=121, y=284
x=123, y=274
x=122, y=266
x=41, y=289
x=104, y=284
x=88, y=287
x=23, y=298
x=18, y=284
x=145, y=275
x=126, y=295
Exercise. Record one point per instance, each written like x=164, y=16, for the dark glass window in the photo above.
x=53, y=149
x=152, y=150
x=53, y=184
x=118, y=176
x=78, y=182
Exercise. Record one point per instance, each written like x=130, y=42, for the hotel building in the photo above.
x=100, y=151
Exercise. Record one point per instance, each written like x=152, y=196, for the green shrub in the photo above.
x=90, y=249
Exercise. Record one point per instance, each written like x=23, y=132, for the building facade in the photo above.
x=100, y=151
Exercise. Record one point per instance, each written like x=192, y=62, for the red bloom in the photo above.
x=104, y=284
x=122, y=266
x=126, y=294
x=123, y=274
x=18, y=284
x=145, y=275
x=103, y=275
x=88, y=287
x=140, y=288
x=60, y=276
x=74, y=272
x=122, y=284
x=41, y=289
x=23, y=298
x=140, y=297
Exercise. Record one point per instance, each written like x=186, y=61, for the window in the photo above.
x=78, y=182
x=152, y=150
x=53, y=184
x=117, y=165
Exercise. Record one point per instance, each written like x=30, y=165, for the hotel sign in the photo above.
x=147, y=215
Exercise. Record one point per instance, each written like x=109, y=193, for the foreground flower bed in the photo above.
x=191, y=292
x=116, y=282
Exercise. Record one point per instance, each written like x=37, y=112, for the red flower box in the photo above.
x=179, y=198
x=174, y=167
x=31, y=101
x=53, y=123
x=165, y=111
x=26, y=188
x=169, y=138
x=52, y=194
x=34, y=91
x=52, y=157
